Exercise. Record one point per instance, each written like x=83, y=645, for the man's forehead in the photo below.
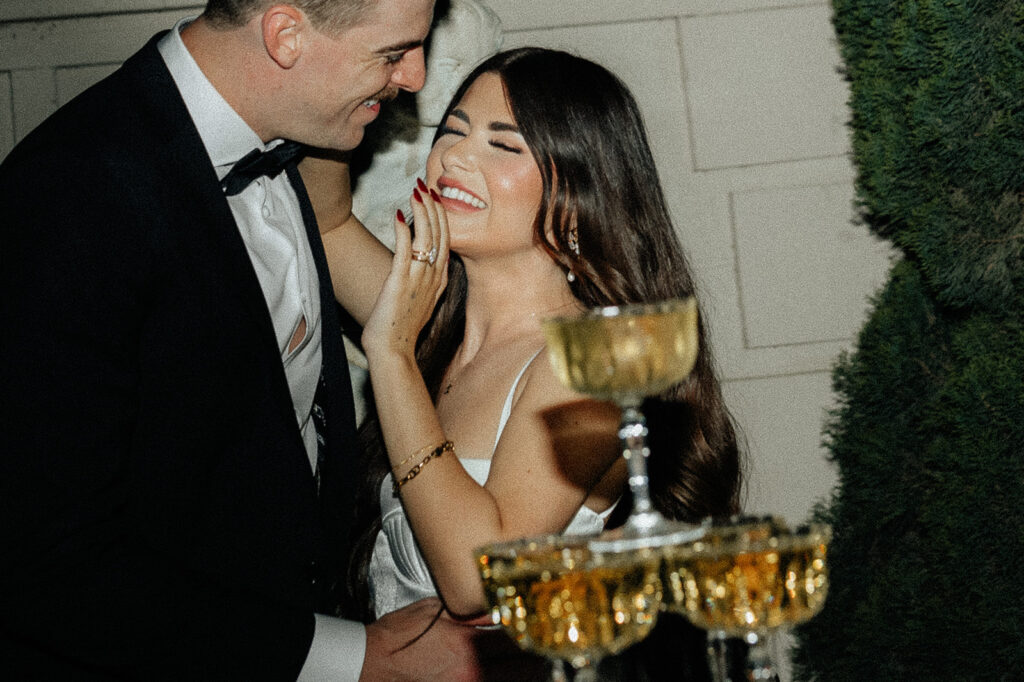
x=398, y=12
x=396, y=25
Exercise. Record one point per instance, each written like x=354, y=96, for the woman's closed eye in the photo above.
x=506, y=147
x=448, y=130
x=496, y=143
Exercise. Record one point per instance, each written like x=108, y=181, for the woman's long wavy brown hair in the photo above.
x=586, y=133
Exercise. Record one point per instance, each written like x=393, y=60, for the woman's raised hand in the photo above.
x=419, y=273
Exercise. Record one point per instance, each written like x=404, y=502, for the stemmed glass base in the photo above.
x=759, y=661
x=757, y=666
x=645, y=528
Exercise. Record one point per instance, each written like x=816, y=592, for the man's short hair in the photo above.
x=327, y=15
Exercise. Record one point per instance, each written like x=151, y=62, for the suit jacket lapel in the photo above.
x=341, y=470
x=335, y=361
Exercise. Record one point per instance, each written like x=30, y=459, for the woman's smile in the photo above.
x=455, y=197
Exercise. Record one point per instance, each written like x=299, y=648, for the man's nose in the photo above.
x=411, y=72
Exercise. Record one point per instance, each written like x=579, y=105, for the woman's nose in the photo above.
x=459, y=154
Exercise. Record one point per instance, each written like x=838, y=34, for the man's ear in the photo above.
x=283, y=27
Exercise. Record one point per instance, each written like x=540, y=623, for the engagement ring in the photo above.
x=427, y=257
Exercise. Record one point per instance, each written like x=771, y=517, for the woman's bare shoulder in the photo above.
x=564, y=412
x=540, y=382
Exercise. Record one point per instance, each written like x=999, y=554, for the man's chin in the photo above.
x=353, y=140
x=348, y=140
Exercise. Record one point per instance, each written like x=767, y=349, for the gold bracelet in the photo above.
x=444, y=447
x=411, y=457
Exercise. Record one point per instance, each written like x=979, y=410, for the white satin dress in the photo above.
x=398, y=575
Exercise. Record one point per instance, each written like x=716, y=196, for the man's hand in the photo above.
x=422, y=642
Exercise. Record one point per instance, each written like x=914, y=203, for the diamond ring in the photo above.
x=428, y=257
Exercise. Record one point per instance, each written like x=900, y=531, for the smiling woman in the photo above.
x=529, y=221
x=489, y=182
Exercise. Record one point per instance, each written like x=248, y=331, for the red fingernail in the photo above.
x=435, y=195
x=421, y=185
x=400, y=216
x=416, y=196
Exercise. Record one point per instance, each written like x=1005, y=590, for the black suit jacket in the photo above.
x=158, y=514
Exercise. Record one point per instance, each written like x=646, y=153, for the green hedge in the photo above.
x=928, y=438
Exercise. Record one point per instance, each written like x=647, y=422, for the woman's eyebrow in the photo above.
x=500, y=126
x=496, y=126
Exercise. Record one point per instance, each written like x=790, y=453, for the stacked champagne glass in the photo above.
x=577, y=599
x=747, y=578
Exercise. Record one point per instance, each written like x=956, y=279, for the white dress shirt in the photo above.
x=270, y=221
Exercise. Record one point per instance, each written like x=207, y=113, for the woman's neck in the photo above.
x=505, y=310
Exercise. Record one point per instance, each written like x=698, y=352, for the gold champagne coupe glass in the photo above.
x=624, y=354
x=557, y=597
x=748, y=578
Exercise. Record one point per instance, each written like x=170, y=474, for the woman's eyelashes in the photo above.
x=506, y=147
x=496, y=143
x=448, y=130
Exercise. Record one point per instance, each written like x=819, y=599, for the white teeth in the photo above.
x=370, y=103
x=464, y=197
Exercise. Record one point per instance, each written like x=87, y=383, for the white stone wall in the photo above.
x=746, y=112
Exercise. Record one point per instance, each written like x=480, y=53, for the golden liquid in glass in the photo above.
x=748, y=590
x=572, y=605
x=626, y=352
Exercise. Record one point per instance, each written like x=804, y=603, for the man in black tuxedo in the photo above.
x=177, y=462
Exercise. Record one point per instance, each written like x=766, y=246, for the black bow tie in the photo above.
x=257, y=163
